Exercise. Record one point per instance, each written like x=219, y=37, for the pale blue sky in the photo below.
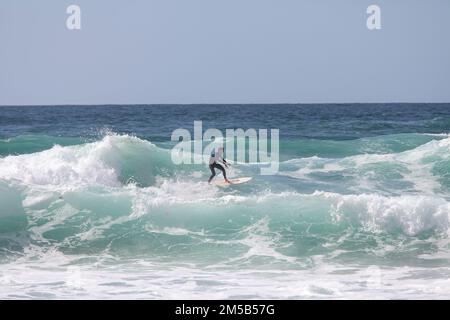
x=224, y=51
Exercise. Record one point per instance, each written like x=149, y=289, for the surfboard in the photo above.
x=221, y=183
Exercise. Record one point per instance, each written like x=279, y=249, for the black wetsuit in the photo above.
x=214, y=166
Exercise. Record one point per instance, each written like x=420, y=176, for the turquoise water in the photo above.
x=93, y=207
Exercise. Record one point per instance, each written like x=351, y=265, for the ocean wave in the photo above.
x=424, y=169
x=192, y=216
x=112, y=161
x=122, y=195
x=392, y=143
x=27, y=144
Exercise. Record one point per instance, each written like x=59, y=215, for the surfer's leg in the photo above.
x=218, y=166
x=213, y=172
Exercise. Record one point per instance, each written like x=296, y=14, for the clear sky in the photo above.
x=224, y=51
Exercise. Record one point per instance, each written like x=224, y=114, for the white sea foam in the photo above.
x=415, y=167
x=60, y=166
x=144, y=280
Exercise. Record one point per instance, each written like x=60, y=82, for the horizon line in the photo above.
x=211, y=104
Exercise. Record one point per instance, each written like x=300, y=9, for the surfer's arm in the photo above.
x=225, y=162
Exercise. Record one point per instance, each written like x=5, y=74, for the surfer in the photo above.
x=217, y=156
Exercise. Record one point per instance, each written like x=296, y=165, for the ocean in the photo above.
x=92, y=205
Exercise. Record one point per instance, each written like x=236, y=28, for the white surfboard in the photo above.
x=221, y=183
